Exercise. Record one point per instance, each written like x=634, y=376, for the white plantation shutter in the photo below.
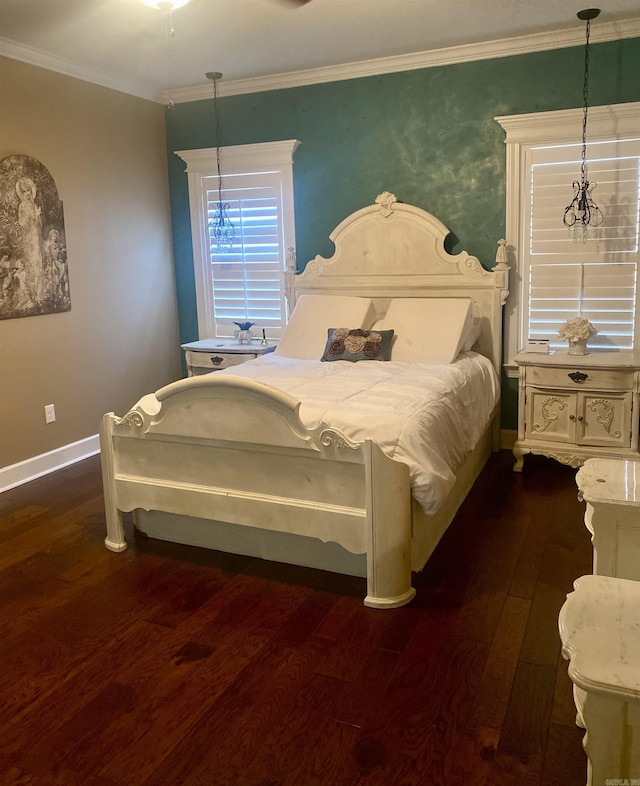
x=604, y=293
x=245, y=282
x=596, y=279
x=246, y=279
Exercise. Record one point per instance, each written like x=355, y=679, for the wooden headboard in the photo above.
x=393, y=250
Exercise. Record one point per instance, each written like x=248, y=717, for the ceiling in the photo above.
x=123, y=43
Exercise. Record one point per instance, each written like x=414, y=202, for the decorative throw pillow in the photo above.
x=357, y=344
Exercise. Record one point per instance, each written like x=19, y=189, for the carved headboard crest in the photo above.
x=386, y=201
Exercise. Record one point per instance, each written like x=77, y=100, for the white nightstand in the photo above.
x=575, y=407
x=213, y=354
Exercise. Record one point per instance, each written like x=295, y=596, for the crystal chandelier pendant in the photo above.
x=222, y=229
x=582, y=216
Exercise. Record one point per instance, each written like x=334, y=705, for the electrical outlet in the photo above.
x=49, y=413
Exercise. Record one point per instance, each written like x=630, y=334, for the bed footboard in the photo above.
x=222, y=448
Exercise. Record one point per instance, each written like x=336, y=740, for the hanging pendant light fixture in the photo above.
x=582, y=215
x=222, y=229
x=167, y=7
x=162, y=4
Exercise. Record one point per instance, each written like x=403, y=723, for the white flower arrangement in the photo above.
x=577, y=329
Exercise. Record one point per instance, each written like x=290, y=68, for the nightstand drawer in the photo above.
x=577, y=378
x=203, y=362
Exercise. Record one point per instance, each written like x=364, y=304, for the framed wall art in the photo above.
x=34, y=275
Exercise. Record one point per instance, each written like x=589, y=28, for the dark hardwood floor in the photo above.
x=174, y=666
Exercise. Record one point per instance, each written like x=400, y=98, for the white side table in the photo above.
x=600, y=632
x=575, y=407
x=213, y=354
x=611, y=490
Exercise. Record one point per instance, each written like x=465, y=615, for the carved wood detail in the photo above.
x=549, y=417
x=133, y=418
x=605, y=418
x=386, y=201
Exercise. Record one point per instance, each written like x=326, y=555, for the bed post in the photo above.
x=115, y=530
x=501, y=275
x=388, y=502
x=290, y=279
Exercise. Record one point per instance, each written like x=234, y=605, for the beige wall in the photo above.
x=106, y=153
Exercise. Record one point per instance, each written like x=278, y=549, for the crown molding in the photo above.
x=240, y=157
x=488, y=50
x=36, y=57
x=560, y=126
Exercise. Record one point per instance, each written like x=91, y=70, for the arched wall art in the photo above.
x=34, y=277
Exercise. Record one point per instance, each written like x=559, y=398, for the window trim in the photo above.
x=235, y=159
x=523, y=132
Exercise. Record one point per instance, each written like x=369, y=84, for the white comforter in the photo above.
x=428, y=417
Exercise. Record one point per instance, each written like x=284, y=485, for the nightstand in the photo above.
x=213, y=354
x=575, y=407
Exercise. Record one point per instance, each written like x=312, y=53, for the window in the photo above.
x=244, y=282
x=596, y=279
x=552, y=277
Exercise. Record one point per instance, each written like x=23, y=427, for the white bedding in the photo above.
x=429, y=417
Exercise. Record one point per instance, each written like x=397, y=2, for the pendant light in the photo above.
x=582, y=215
x=163, y=5
x=222, y=230
x=167, y=7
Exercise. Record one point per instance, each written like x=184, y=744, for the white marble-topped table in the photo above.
x=600, y=632
x=611, y=491
x=610, y=480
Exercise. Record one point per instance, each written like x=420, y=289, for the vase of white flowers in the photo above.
x=577, y=331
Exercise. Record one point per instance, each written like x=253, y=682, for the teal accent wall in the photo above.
x=427, y=136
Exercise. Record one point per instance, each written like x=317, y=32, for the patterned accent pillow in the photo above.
x=357, y=344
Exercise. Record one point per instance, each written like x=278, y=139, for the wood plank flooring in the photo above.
x=174, y=666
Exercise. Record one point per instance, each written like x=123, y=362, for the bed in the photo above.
x=258, y=454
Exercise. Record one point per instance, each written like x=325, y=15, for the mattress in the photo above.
x=428, y=417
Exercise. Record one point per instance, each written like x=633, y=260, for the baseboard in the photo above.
x=508, y=438
x=32, y=468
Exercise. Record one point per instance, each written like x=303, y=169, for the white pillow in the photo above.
x=305, y=335
x=472, y=335
x=428, y=330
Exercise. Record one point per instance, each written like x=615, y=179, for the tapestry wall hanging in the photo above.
x=34, y=278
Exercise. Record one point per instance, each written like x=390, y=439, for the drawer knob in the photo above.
x=572, y=417
x=578, y=377
x=216, y=360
